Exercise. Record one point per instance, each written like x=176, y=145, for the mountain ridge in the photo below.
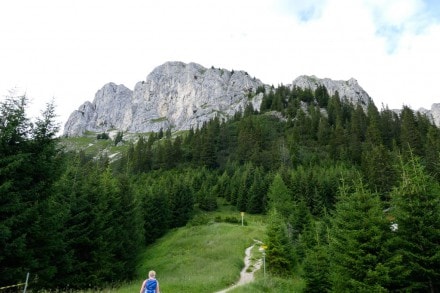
x=181, y=96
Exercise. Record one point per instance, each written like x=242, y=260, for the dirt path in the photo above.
x=246, y=275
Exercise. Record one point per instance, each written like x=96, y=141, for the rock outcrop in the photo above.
x=433, y=114
x=349, y=89
x=175, y=95
x=182, y=96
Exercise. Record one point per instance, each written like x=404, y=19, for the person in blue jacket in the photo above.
x=150, y=285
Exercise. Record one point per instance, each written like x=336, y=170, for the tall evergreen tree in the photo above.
x=410, y=137
x=279, y=246
x=416, y=208
x=257, y=202
x=378, y=166
x=358, y=261
x=280, y=198
x=29, y=165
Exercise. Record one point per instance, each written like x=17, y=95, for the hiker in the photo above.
x=150, y=285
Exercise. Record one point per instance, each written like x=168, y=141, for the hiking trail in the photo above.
x=246, y=275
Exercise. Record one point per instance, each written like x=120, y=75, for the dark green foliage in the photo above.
x=181, y=203
x=280, y=197
x=322, y=96
x=359, y=260
x=432, y=152
x=416, y=207
x=155, y=210
x=316, y=270
x=30, y=163
x=317, y=186
x=257, y=201
x=103, y=135
x=410, y=136
x=378, y=168
x=78, y=220
x=103, y=226
x=279, y=251
x=118, y=138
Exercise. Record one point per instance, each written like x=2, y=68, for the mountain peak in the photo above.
x=181, y=96
x=174, y=95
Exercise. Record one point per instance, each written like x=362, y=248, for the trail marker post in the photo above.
x=263, y=251
x=242, y=216
x=26, y=284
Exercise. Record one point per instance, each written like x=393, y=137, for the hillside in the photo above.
x=350, y=194
x=207, y=256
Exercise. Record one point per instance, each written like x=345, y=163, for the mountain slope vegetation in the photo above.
x=350, y=194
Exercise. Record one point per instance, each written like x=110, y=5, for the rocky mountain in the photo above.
x=349, y=89
x=433, y=113
x=180, y=96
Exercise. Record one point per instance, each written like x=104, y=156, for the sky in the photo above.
x=65, y=50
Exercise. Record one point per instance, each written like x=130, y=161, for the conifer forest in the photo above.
x=351, y=193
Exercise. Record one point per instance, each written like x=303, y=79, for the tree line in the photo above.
x=333, y=178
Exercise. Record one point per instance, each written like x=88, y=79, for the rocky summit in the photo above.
x=182, y=96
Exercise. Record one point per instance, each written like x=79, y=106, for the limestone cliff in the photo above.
x=175, y=95
x=349, y=89
x=180, y=96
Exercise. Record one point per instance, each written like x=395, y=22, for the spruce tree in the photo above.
x=416, y=208
x=29, y=165
x=280, y=198
x=279, y=257
x=359, y=231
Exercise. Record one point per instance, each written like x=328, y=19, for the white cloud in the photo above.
x=69, y=49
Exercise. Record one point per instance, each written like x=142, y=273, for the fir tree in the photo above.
x=416, y=208
x=359, y=231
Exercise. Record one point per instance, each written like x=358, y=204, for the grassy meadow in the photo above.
x=207, y=255
x=209, y=258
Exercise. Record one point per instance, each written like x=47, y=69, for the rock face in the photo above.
x=349, y=89
x=433, y=114
x=182, y=96
x=175, y=95
x=110, y=109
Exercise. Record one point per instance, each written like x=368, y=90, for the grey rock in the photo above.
x=433, y=114
x=182, y=96
x=349, y=89
x=175, y=94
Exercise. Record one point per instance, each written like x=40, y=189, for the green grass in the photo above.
x=207, y=258
x=271, y=284
x=203, y=258
x=200, y=258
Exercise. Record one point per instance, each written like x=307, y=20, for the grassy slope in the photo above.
x=202, y=258
x=192, y=262
x=208, y=258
